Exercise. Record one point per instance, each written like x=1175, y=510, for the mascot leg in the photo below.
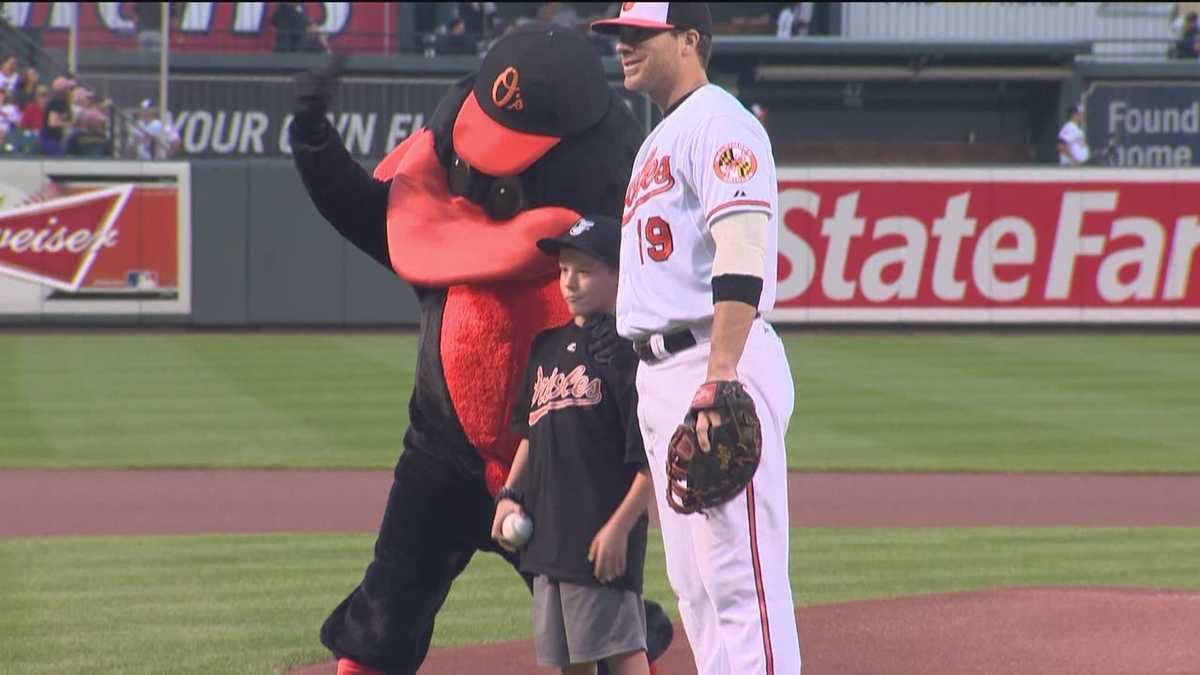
x=429, y=533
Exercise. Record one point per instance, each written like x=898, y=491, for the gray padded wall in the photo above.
x=220, y=205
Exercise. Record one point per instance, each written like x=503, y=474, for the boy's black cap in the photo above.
x=660, y=16
x=596, y=236
x=537, y=84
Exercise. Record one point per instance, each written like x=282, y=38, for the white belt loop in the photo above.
x=658, y=347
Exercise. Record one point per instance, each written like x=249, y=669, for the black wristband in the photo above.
x=745, y=288
x=509, y=493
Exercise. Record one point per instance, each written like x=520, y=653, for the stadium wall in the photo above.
x=236, y=243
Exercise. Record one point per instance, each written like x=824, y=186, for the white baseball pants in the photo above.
x=729, y=569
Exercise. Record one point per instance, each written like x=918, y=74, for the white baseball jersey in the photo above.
x=1073, y=137
x=710, y=157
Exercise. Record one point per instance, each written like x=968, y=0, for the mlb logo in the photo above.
x=141, y=279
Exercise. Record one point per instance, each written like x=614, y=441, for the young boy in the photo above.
x=580, y=474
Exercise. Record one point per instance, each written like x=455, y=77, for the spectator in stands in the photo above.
x=1188, y=45
x=455, y=40
x=90, y=137
x=148, y=16
x=479, y=19
x=146, y=135
x=56, y=124
x=9, y=115
x=8, y=73
x=34, y=112
x=26, y=88
x=560, y=13
x=295, y=32
x=291, y=26
x=1072, y=142
x=794, y=20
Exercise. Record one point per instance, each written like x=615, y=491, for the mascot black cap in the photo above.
x=533, y=88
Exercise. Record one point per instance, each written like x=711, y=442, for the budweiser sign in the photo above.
x=989, y=245
x=86, y=238
x=56, y=241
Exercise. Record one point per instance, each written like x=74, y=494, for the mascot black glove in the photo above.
x=315, y=90
x=606, y=346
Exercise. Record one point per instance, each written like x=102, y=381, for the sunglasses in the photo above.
x=502, y=198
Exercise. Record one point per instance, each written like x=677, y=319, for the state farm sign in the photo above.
x=1008, y=245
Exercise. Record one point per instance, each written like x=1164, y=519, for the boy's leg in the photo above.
x=629, y=663
x=664, y=394
x=579, y=669
x=742, y=547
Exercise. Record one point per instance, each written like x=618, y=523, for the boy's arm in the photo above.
x=634, y=505
x=516, y=474
x=610, y=546
x=506, y=506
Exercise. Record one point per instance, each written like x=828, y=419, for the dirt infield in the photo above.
x=1031, y=631
x=1048, y=630
x=50, y=502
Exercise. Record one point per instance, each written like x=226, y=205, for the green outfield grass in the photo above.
x=253, y=604
x=1025, y=402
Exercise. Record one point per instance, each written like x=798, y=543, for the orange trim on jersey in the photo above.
x=737, y=202
x=758, y=580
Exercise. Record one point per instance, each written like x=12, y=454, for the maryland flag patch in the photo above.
x=735, y=163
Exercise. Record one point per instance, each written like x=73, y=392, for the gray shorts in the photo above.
x=573, y=623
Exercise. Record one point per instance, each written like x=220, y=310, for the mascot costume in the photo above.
x=512, y=154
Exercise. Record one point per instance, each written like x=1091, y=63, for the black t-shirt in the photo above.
x=585, y=447
x=59, y=105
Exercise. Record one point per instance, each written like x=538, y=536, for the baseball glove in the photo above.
x=697, y=480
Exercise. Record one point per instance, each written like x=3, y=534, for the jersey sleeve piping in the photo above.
x=738, y=205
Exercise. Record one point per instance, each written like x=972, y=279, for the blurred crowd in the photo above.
x=1186, y=24
x=470, y=28
x=64, y=118
x=54, y=119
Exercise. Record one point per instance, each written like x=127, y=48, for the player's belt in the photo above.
x=658, y=347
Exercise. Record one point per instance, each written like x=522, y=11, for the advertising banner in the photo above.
x=247, y=116
x=989, y=245
x=350, y=27
x=1144, y=123
x=95, y=238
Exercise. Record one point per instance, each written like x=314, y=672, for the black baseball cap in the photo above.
x=537, y=84
x=597, y=236
x=659, y=16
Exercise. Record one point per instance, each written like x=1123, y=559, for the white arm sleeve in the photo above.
x=741, y=241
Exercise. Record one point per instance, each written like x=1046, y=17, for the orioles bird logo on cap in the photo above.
x=626, y=6
x=582, y=226
x=506, y=90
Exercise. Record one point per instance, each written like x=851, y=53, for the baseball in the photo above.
x=516, y=529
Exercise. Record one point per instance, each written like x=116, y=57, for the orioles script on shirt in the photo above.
x=653, y=178
x=558, y=390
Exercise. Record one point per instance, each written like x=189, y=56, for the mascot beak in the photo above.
x=439, y=239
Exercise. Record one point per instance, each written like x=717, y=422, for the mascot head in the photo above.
x=514, y=153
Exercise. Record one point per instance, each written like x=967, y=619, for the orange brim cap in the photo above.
x=493, y=148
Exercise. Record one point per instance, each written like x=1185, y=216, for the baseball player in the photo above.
x=580, y=473
x=698, y=259
x=1072, y=142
